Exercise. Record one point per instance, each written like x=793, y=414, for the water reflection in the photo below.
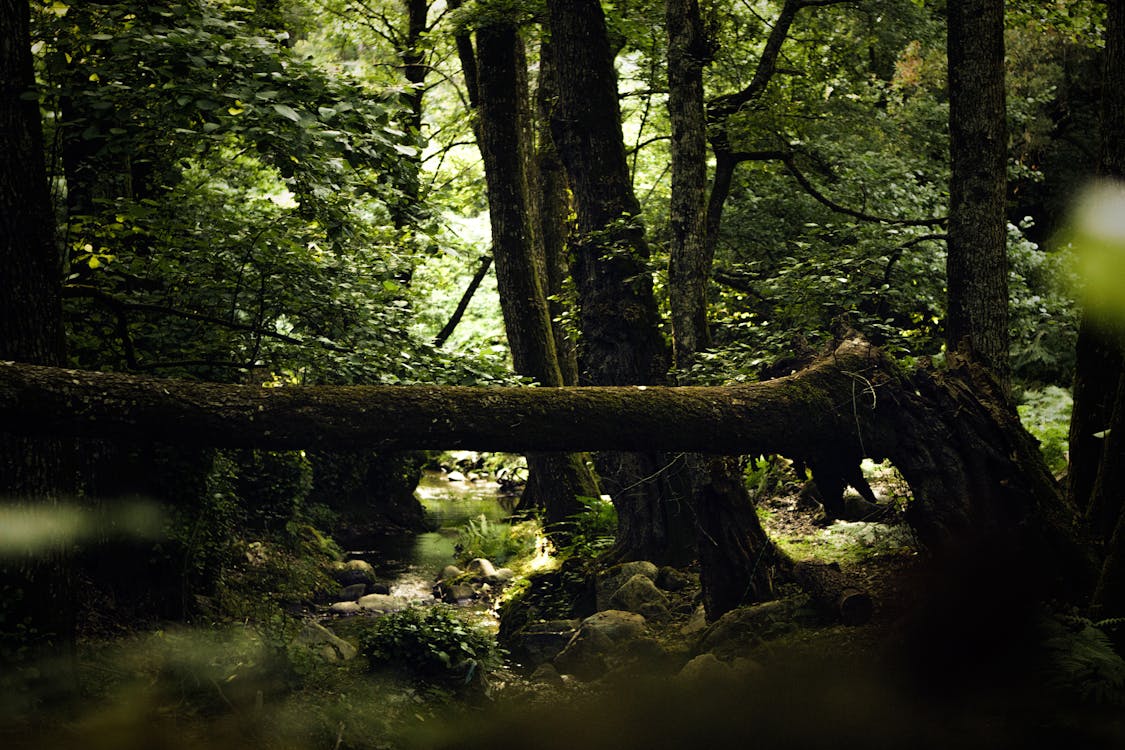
x=409, y=564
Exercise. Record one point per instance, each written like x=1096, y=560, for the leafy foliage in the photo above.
x=433, y=644
x=1046, y=415
x=496, y=541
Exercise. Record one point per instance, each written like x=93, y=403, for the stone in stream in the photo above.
x=455, y=476
x=353, y=572
x=481, y=568
x=345, y=608
x=352, y=592
x=381, y=603
x=449, y=572
x=451, y=593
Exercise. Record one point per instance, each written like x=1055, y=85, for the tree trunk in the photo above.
x=689, y=266
x=977, y=263
x=34, y=469
x=554, y=213
x=504, y=133
x=976, y=475
x=620, y=341
x=1107, y=499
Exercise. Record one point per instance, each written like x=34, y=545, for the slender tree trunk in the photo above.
x=689, y=266
x=977, y=264
x=37, y=597
x=737, y=559
x=554, y=212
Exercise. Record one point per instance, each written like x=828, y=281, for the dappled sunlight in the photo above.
x=1097, y=234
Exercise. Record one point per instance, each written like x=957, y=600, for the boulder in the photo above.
x=600, y=637
x=352, y=572
x=352, y=592
x=451, y=593
x=609, y=581
x=481, y=568
x=670, y=579
x=639, y=594
x=381, y=603
x=324, y=642
x=455, y=476
x=449, y=572
x=345, y=608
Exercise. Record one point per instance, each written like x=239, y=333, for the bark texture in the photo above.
x=1107, y=493
x=690, y=256
x=36, y=469
x=975, y=473
x=977, y=262
x=620, y=341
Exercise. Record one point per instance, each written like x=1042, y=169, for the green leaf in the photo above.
x=288, y=112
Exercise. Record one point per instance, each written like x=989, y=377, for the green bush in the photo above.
x=591, y=531
x=432, y=644
x=1046, y=415
x=496, y=541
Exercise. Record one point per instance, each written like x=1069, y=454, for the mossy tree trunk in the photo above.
x=976, y=475
x=977, y=262
x=620, y=340
x=504, y=134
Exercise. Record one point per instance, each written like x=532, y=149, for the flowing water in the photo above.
x=409, y=564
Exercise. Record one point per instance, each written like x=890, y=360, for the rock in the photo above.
x=345, y=608
x=639, y=594
x=381, y=603
x=352, y=572
x=670, y=579
x=326, y=643
x=748, y=626
x=542, y=641
x=451, y=593
x=481, y=568
x=455, y=476
x=600, y=637
x=353, y=592
x=502, y=575
x=697, y=623
x=547, y=674
x=378, y=588
x=449, y=572
x=609, y=581
x=706, y=668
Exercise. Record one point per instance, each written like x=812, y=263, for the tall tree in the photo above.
x=689, y=265
x=33, y=470
x=1107, y=490
x=620, y=343
x=504, y=133
x=977, y=263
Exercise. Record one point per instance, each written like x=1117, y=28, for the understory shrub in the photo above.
x=434, y=644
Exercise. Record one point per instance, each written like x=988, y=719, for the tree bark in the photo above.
x=975, y=473
x=689, y=265
x=35, y=469
x=554, y=212
x=977, y=261
x=620, y=326
x=1107, y=493
x=504, y=133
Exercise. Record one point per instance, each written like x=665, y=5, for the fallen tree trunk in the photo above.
x=974, y=472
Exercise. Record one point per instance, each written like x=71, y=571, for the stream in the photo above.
x=409, y=564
